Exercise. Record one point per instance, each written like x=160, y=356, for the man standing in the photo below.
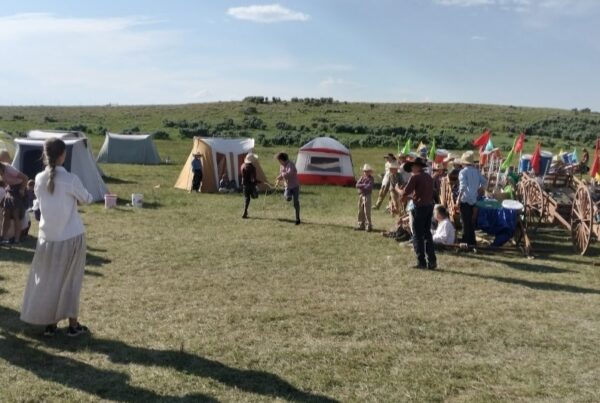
x=385, y=183
x=287, y=172
x=197, y=171
x=420, y=189
x=471, y=184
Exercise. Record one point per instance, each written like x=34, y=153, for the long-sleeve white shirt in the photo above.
x=445, y=233
x=59, y=216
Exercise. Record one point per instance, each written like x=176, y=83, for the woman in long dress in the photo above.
x=54, y=285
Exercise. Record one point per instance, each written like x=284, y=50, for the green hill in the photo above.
x=294, y=122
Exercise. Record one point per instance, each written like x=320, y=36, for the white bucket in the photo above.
x=110, y=200
x=137, y=200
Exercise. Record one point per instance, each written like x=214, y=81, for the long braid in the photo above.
x=52, y=166
x=53, y=150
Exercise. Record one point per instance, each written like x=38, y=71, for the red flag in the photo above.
x=520, y=143
x=596, y=164
x=536, y=158
x=482, y=140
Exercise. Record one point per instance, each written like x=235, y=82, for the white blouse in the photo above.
x=59, y=216
x=445, y=233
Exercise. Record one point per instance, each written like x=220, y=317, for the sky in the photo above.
x=513, y=52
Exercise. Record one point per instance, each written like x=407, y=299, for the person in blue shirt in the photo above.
x=197, y=171
x=471, y=184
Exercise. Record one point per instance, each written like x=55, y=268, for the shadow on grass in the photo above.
x=520, y=265
x=117, y=181
x=304, y=223
x=24, y=254
x=535, y=285
x=113, y=385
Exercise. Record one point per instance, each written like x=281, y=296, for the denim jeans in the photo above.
x=293, y=194
x=422, y=237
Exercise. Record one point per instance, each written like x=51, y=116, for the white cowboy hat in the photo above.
x=394, y=165
x=449, y=158
x=251, y=158
x=468, y=158
x=367, y=168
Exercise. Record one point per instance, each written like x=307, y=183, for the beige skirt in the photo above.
x=54, y=285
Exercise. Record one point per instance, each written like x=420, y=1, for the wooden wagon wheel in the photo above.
x=582, y=216
x=534, y=202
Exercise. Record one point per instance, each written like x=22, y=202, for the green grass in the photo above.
x=187, y=302
x=556, y=128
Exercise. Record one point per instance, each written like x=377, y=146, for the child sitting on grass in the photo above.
x=365, y=188
x=445, y=234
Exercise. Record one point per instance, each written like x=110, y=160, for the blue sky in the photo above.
x=518, y=52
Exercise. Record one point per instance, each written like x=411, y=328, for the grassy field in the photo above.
x=357, y=124
x=187, y=302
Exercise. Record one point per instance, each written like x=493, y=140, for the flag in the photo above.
x=407, y=147
x=489, y=146
x=520, y=143
x=432, y=151
x=399, y=150
x=482, y=140
x=421, y=146
x=595, y=171
x=536, y=158
x=510, y=157
x=561, y=152
x=575, y=156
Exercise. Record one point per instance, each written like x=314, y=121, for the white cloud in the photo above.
x=268, y=13
x=478, y=38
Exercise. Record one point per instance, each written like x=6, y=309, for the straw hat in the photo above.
x=367, y=168
x=438, y=166
x=468, y=158
x=251, y=158
x=394, y=165
x=449, y=158
x=197, y=155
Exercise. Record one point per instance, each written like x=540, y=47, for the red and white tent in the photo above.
x=325, y=161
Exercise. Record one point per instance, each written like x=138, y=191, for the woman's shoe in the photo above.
x=78, y=330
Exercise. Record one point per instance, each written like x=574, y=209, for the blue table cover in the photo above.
x=500, y=223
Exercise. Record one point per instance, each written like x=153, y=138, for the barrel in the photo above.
x=525, y=163
x=545, y=162
x=110, y=200
x=440, y=156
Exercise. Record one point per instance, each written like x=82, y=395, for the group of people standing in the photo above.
x=414, y=186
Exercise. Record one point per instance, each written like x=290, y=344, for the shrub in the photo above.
x=161, y=135
x=50, y=119
x=251, y=110
x=18, y=117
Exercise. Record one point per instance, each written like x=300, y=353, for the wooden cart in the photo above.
x=562, y=199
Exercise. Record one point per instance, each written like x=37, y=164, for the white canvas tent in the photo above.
x=219, y=156
x=129, y=149
x=63, y=135
x=325, y=161
x=28, y=159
